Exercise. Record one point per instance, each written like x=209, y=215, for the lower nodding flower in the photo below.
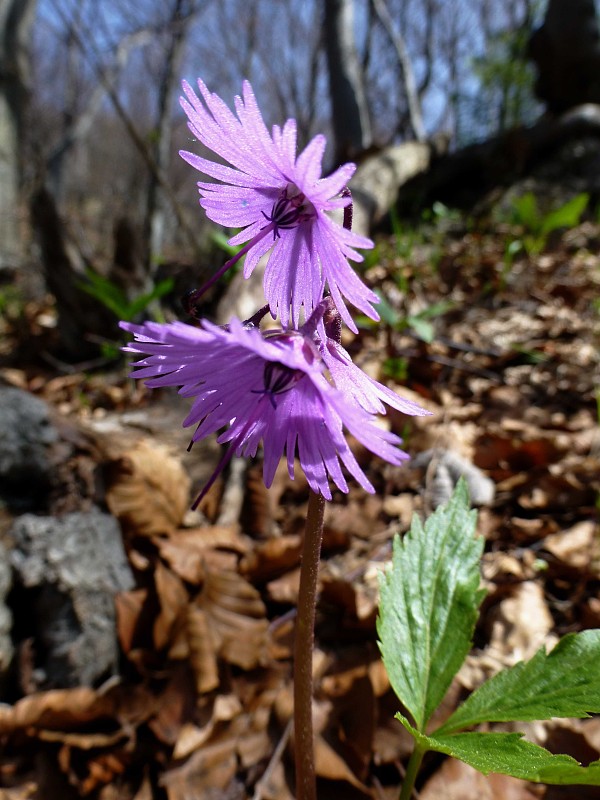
x=272, y=388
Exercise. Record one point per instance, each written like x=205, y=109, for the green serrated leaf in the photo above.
x=510, y=754
x=563, y=683
x=429, y=604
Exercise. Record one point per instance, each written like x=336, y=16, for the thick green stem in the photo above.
x=408, y=784
x=306, y=786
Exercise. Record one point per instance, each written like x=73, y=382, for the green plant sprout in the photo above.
x=221, y=240
x=405, y=238
x=420, y=323
x=429, y=606
x=114, y=298
x=110, y=295
x=12, y=302
x=538, y=226
x=396, y=367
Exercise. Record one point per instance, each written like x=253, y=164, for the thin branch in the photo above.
x=85, y=42
x=412, y=95
x=81, y=124
x=429, y=12
x=262, y=787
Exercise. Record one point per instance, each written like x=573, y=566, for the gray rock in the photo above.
x=25, y=434
x=6, y=647
x=72, y=568
x=444, y=470
x=377, y=180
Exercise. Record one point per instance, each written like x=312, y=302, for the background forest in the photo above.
x=145, y=650
x=97, y=82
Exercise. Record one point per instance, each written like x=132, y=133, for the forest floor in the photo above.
x=500, y=342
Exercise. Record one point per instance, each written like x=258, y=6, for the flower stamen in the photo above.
x=288, y=210
x=278, y=379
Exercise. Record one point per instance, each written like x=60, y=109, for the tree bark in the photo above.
x=351, y=124
x=82, y=319
x=16, y=17
x=155, y=207
x=413, y=100
x=566, y=51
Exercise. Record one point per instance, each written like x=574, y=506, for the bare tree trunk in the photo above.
x=415, y=112
x=155, y=210
x=82, y=320
x=16, y=17
x=351, y=123
x=78, y=123
x=88, y=47
x=566, y=51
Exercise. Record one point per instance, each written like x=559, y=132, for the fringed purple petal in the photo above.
x=262, y=171
x=224, y=370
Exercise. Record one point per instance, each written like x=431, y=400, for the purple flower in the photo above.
x=281, y=202
x=272, y=388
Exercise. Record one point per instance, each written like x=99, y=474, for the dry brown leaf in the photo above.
x=237, y=618
x=590, y=614
x=521, y=624
x=455, y=780
x=357, y=518
x=401, y=507
x=19, y=792
x=498, y=565
x=173, y=599
x=185, y=561
x=101, y=770
x=557, y=491
x=285, y=588
x=60, y=709
x=352, y=583
x=82, y=741
x=254, y=743
x=174, y=707
x=352, y=720
x=212, y=766
x=258, y=505
x=272, y=557
x=186, y=551
x=145, y=790
x=128, y=607
x=578, y=738
x=379, y=678
x=148, y=489
x=577, y=546
x=528, y=450
x=191, y=737
x=202, y=647
x=330, y=765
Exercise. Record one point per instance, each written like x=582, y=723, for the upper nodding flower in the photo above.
x=272, y=388
x=281, y=202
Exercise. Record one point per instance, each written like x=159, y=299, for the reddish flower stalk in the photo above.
x=306, y=788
